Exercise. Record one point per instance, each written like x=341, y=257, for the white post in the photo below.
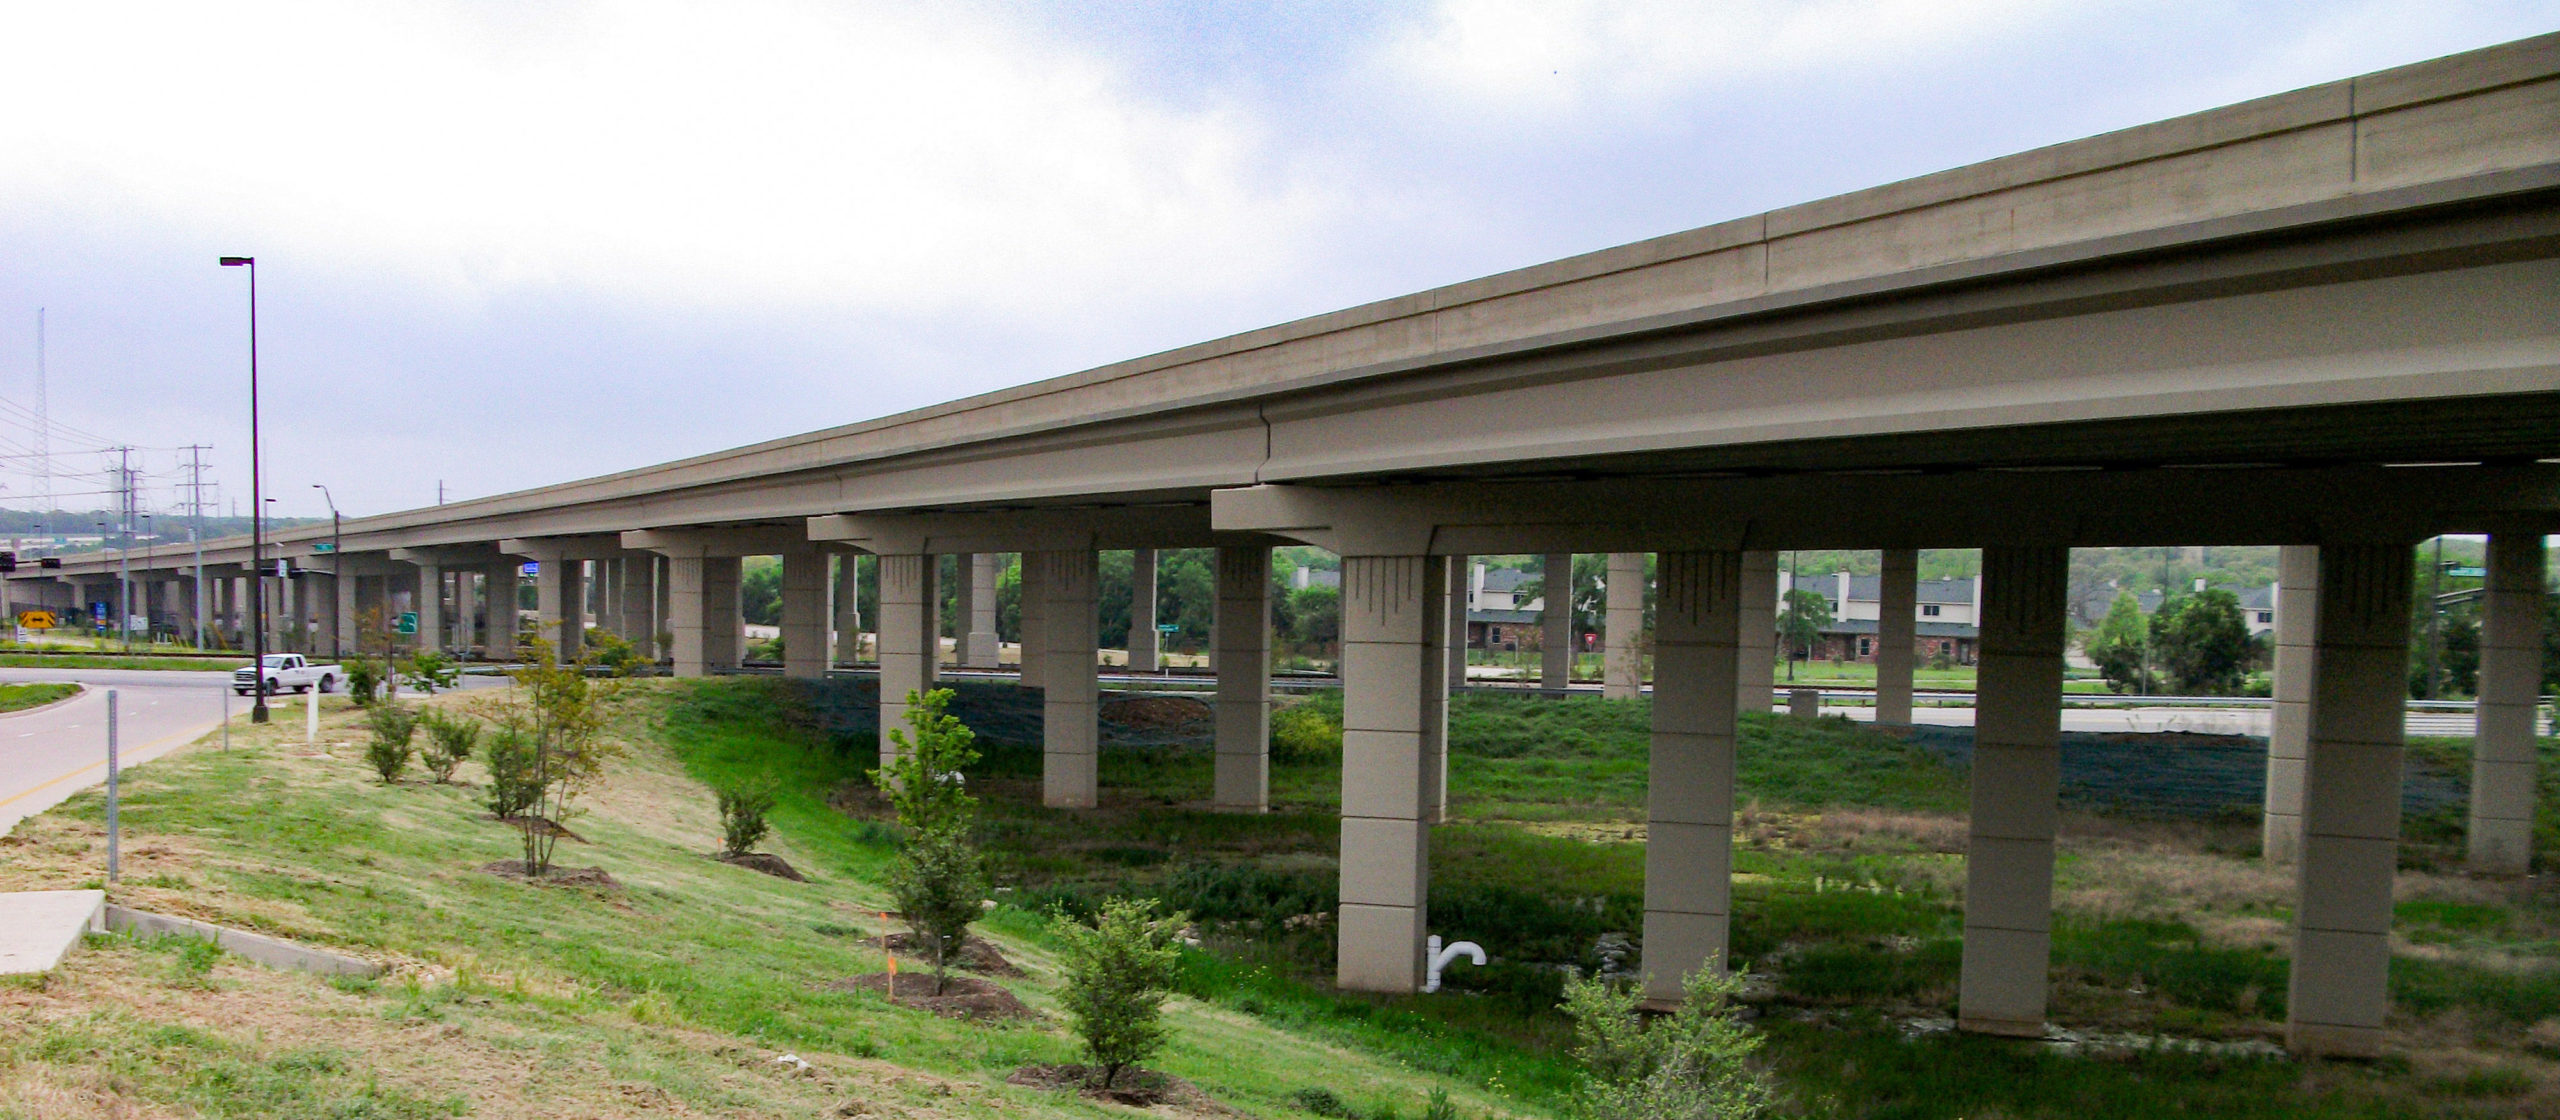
x=311, y=716
x=113, y=854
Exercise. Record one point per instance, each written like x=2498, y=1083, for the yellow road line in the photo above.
x=101, y=765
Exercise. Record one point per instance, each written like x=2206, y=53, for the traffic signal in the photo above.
x=49, y=562
x=8, y=561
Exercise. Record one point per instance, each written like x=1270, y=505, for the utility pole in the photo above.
x=2435, y=629
x=124, y=552
x=44, y=439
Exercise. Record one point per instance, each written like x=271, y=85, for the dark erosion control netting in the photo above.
x=2178, y=773
x=1004, y=714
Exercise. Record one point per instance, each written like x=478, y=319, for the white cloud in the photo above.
x=1555, y=59
x=896, y=159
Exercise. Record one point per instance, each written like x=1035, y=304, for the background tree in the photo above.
x=2117, y=644
x=1315, y=617
x=2202, y=644
x=1801, y=621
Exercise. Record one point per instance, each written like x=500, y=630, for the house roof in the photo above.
x=1868, y=589
x=2251, y=598
x=1508, y=618
x=1856, y=626
x=1503, y=579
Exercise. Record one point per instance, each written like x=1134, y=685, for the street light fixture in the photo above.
x=257, y=512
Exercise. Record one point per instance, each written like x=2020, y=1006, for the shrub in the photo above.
x=606, y=648
x=364, y=679
x=509, y=759
x=394, y=728
x=450, y=740
x=429, y=670
x=938, y=881
x=742, y=813
x=1693, y=1065
x=1304, y=733
x=560, y=713
x=1118, y=971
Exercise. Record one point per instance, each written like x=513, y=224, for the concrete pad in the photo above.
x=38, y=927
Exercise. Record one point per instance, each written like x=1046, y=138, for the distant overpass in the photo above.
x=2327, y=320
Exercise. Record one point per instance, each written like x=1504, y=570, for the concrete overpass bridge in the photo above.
x=2327, y=320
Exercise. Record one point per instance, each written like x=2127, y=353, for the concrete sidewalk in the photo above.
x=38, y=927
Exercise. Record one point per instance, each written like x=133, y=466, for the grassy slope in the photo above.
x=667, y=997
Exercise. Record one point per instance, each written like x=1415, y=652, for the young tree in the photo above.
x=1118, y=972
x=2117, y=644
x=938, y=877
x=742, y=816
x=558, y=712
x=1692, y=1065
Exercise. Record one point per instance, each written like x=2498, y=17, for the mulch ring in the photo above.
x=1137, y=1087
x=963, y=997
x=543, y=826
x=559, y=876
x=765, y=862
x=975, y=955
x=1159, y=713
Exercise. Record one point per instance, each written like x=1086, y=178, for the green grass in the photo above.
x=19, y=697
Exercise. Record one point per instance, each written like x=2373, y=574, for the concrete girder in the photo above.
x=2235, y=506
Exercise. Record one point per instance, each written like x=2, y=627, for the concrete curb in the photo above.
x=268, y=951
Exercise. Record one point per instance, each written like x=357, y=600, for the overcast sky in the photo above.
x=506, y=244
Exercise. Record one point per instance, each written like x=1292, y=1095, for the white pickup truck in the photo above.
x=288, y=670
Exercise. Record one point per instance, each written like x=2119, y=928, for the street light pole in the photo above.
x=257, y=514
x=337, y=560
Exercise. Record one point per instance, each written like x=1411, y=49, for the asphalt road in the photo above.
x=47, y=754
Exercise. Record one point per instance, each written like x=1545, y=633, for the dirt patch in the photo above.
x=559, y=877
x=543, y=826
x=963, y=997
x=975, y=955
x=765, y=862
x=1137, y=1087
x=1180, y=714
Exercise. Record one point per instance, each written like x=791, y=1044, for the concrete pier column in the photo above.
x=1143, y=639
x=2351, y=802
x=636, y=592
x=1622, y=662
x=1435, y=699
x=1390, y=615
x=723, y=620
x=2502, y=747
x=1555, y=640
x=1070, y=733
x=664, y=615
x=848, y=608
x=906, y=595
x=1688, y=852
x=1243, y=781
x=324, y=610
x=1897, y=632
x=350, y=617
x=559, y=590
x=2289, y=726
x=430, y=606
x=463, y=631
x=702, y=606
x=978, y=622
x=1034, y=606
x=1757, y=656
x=804, y=614
x=1461, y=582
x=964, y=604
x=2008, y=898
x=500, y=622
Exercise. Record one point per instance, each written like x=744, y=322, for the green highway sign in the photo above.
x=408, y=623
x=324, y=548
